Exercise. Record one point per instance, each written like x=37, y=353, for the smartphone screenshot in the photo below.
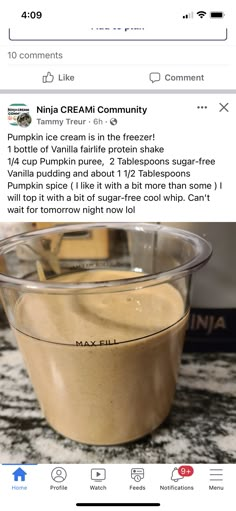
x=117, y=255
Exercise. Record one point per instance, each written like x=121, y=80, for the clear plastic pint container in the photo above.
x=100, y=318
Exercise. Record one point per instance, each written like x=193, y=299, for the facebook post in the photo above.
x=117, y=255
x=103, y=158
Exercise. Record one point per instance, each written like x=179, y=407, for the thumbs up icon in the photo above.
x=48, y=78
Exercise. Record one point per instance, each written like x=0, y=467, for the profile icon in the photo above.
x=24, y=120
x=58, y=474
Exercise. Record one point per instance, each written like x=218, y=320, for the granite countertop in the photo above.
x=200, y=429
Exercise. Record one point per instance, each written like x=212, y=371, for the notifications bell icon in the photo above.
x=175, y=476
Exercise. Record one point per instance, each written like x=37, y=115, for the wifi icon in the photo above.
x=201, y=14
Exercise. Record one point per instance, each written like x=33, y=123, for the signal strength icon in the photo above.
x=201, y=14
x=189, y=15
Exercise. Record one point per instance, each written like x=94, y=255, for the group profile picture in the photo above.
x=19, y=115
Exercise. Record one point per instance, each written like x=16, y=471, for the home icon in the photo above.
x=19, y=474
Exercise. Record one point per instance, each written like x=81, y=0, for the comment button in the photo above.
x=154, y=77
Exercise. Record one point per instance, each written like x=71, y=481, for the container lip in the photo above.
x=202, y=247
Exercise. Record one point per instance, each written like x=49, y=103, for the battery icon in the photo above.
x=216, y=14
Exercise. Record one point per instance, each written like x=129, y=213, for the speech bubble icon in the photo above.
x=155, y=77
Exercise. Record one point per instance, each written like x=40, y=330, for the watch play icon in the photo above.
x=98, y=474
